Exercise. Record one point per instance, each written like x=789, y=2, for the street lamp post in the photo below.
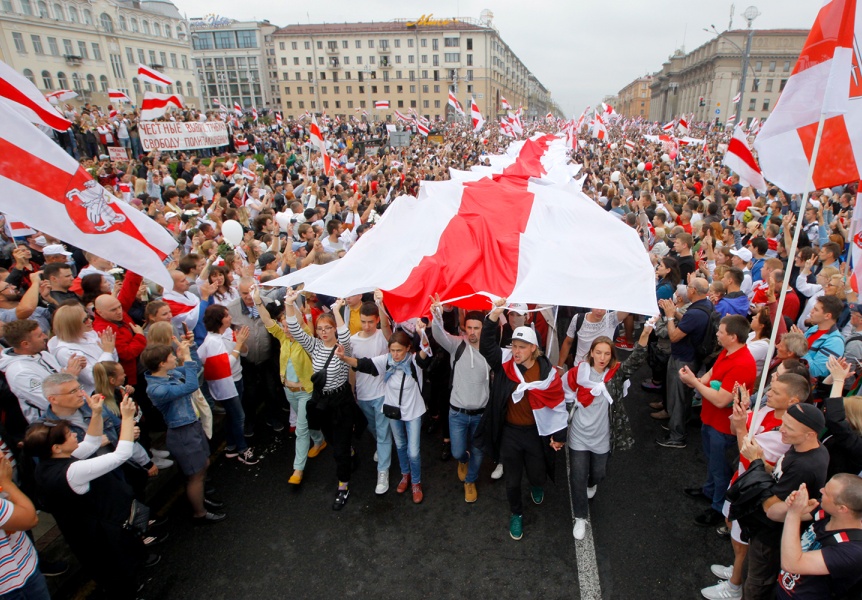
x=750, y=14
x=367, y=71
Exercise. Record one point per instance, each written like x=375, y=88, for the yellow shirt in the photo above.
x=292, y=350
x=353, y=323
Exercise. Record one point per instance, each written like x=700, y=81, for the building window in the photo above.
x=26, y=8
x=97, y=51
x=137, y=85
x=436, y=104
x=424, y=89
x=451, y=42
x=185, y=60
x=173, y=60
x=768, y=85
x=347, y=62
x=452, y=57
x=37, y=44
x=755, y=84
x=19, y=42
x=435, y=60
x=412, y=89
x=411, y=58
x=298, y=76
x=52, y=47
x=82, y=49
x=469, y=60
x=133, y=22
x=323, y=89
x=313, y=105
x=320, y=60
x=130, y=56
x=62, y=82
x=371, y=60
x=301, y=104
x=225, y=40
x=772, y=66
x=781, y=87
x=396, y=43
x=373, y=89
x=153, y=57
x=411, y=75
x=344, y=44
x=145, y=27
x=299, y=89
x=424, y=59
x=307, y=45
x=413, y=104
x=786, y=66
x=752, y=104
x=425, y=102
x=103, y=84
x=469, y=43
x=758, y=65
x=320, y=45
x=91, y=83
x=469, y=89
x=766, y=104
x=246, y=38
x=338, y=104
x=409, y=42
x=281, y=45
x=358, y=60
x=76, y=83
x=435, y=45
x=47, y=82
x=141, y=58
x=157, y=30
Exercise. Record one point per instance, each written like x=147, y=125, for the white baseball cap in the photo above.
x=55, y=250
x=525, y=334
x=521, y=309
x=743, y=253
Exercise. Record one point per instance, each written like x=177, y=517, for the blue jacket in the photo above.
x=829, y=344
x=734, y=303
x=172, y=395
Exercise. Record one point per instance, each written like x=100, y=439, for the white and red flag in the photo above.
x=736, y=98
x=60, y=96
x=155, y=105
x=316, y=139
x=476, y=116
x=237, y=109
x=254, y=113
x=504, y=104
x=63, y=201
x=740, y=159
x=546, y=397
x=422, y=128
x=506, y=128
x=112, y=112
x=491, y=237
x=669, y=127
x=118, y=96
x=18, y=229
x=731, y=119
x=683, y=126
x=629, y=145
x=249, y=174
x=402, y=117
x=453, y=102
x=185, y=308
x=856, y=246
x=515, y=122
x=381, y=104
x=18, y=93
x=278, y=119
x=153, y=76
x=825, y=82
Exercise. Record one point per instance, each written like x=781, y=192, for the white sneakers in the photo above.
x=375, y=456
x=591, y=491
x=721, y=571
x=580, y=529
x=498, y=471
x=382, y=483
x=722, y=591
x=162, y=463
x=160, y=453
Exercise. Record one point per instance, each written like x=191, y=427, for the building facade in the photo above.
x=634, y=99
x=235, y=62
x=91, y=46
x=346, y=68
x=705, y=81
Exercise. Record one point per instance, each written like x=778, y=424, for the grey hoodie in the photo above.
x=470, y=383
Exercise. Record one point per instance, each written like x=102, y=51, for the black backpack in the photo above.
x=708, y=349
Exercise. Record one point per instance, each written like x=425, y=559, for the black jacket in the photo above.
x=490, y=430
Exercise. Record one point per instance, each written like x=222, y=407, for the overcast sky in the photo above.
x=580, y=51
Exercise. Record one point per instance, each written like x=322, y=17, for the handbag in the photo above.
x=204, y=412
x=394, y=412
x=318, y=380
x=139, y=518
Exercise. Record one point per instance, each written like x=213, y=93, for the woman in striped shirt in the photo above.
x=335, y=401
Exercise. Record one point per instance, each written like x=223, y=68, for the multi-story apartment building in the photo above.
x=90, y=46
x=346, y=68
x=705, y=81
x=634, y=99
x=235, y=62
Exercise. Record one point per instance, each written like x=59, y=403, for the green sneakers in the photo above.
x=516, y=527
x=537, y=494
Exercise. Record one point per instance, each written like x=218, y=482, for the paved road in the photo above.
x=278, y=543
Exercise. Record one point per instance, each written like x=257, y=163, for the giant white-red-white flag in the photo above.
x=153, y=76
x=316, y=139
x=41, y=185
x=453, y=102
x=504, y=104
x=826, y=80
x=740, y=159
x=493, y=236
x=155, y=105
x=476, y=116
x=18, y=93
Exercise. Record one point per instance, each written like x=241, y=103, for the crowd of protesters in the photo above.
x=110, y=379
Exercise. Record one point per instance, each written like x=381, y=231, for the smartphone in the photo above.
x=185, y=329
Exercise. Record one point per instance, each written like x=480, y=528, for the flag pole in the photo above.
x=791, y=252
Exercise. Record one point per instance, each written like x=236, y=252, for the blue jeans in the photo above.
x=34, y=588
x=235, y=426
x=377, y=421
x=404, y=433
x=299, y=403
x=719, y=470
x=462, y=428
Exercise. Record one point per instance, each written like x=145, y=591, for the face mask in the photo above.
x=41, y=241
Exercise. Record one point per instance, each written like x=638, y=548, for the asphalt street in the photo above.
x=280, y=543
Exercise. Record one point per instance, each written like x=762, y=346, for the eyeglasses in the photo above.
x=3, y=289
x=87, y=317
x=325, y=329
x=73, y=392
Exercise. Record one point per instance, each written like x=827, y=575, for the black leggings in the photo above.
x=336, y=423
x=521, y=448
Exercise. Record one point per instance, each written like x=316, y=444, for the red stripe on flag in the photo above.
x=217, y=367
x=478, y=250
x=54, y=183
x=740, y=150
x=827, y=33
x=51, y=119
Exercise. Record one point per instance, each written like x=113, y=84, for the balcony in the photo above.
x=156, y=66
x=333, y=63
x=385, y=63
x=332, y=49
x=73, y=60
x=384, y=49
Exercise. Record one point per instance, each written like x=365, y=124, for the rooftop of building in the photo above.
x=394, y=26
x=163, y=8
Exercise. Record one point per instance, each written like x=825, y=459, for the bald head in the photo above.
x=109, y=308
x=181, y=284
x=700, y=287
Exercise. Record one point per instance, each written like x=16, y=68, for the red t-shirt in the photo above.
x=791, y=305
x=729, y=369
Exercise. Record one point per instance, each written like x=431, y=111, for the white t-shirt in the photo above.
x=369, y=387
x=590, y=331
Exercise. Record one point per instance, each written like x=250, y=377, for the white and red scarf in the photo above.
x=579, y=388
x=546, y=396
x=185, y=308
